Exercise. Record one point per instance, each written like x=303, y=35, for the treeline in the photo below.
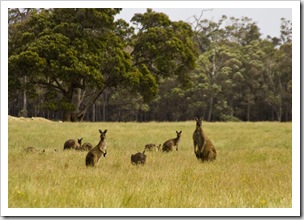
x=82, y=64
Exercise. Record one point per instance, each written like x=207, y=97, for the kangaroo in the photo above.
x=33, y=150
x=85, y=147
x=30, y=150
x=170, y=144
x=152, y=147
x=72, y=144
x=138, y=158
x=203, y=147
x=99, y=150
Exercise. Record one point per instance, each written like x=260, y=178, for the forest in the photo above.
x=82, y=64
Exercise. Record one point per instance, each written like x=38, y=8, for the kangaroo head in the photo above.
x=102, y=134
x=79, y=141
x=199, y=122
x=179, y=133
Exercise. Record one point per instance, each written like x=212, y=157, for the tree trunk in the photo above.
x=210, y=108
x=279, y=113
x=24, y=107
x=67, y=115
x=248, y=111
x=80, y=107
x=94, y=112
x=76, y=101
x=104, y=104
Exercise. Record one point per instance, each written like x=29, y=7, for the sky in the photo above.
x=267, y=19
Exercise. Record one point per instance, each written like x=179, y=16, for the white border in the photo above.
x=151, y=4
x=294, y=211
x=296, y=107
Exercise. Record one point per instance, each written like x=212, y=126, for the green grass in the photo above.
x=253, y=167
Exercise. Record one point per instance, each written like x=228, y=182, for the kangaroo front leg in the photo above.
x=195, y=145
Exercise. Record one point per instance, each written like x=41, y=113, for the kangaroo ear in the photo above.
x=105, y=131
x=180, y=132
x=80, y=139
x=196, y=118
x=201, y=118
x=100, y=131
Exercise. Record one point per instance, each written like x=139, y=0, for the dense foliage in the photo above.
x=82, y=64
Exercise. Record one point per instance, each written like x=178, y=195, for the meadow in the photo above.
x=252, y=170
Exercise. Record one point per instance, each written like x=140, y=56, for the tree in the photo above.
x=72, y=51
x=164, y=49
x=277, y=79
x=19, y=15
x=81, y=64
x=163, y=46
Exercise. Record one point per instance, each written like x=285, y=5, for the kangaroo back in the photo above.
x=152, y=147
x=72, y=144
x=85, y=147
x=138, y=158
x=209, y=153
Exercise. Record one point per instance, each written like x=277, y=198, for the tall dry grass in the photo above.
x=253, y=167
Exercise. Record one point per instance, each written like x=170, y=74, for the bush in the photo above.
x=229, y=118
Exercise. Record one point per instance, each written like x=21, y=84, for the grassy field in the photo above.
x=253, y=167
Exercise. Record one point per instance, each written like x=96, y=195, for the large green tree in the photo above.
x=77, y=53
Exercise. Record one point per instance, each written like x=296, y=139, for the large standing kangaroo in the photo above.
x=99, y=150
x=203, y=147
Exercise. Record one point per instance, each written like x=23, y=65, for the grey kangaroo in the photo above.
x=99, y=150
x=171, y=143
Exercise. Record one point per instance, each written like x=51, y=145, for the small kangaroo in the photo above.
x=30, y=150
x=170, y=144
x=85, y=147
x=203, y=147
x=33, y=150
x=99, y=150
x=152, y=147
x=72, y=144
x=138, y=158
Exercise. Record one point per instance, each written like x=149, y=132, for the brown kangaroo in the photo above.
x=72, y=144
x=152, y=147
x=138, y=158
x=203, y=147
x=33, y=150
x=171, y=143
x=99, y=150
x=85, y=147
